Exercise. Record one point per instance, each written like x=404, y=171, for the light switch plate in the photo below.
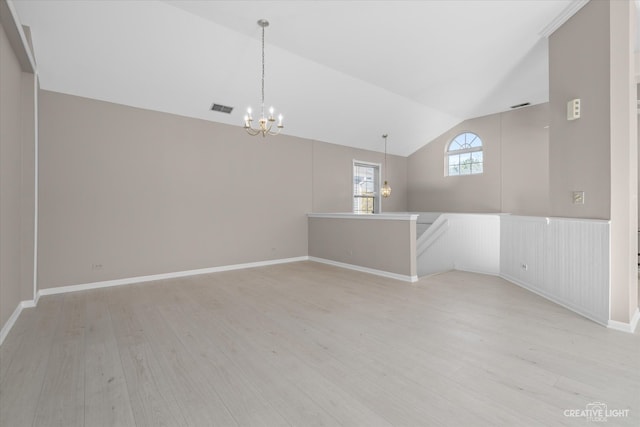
x=578, y=197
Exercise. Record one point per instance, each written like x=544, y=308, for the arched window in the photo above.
x=464, y=155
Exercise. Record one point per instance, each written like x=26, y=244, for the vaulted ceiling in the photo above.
x=343, y=72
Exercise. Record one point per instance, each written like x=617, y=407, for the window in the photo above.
x=366, y=186
x=464, y=155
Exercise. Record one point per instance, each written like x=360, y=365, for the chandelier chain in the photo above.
x=263, y=71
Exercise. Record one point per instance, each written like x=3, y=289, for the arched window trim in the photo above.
x=460, y=151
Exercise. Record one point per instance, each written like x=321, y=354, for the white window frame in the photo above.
x=377, y=200
x=449, y=152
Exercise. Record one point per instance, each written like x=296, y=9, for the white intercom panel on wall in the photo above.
x=573, y=109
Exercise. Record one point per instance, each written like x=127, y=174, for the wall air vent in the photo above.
x=221, y=108
x=524, y=104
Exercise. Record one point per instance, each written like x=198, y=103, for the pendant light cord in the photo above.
x=385, y=156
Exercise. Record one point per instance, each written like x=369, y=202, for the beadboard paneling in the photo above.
x=565, y=260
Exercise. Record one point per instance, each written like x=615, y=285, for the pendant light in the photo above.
x=386, y=188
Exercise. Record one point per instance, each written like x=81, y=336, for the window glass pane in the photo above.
x=465, y=156
x=468, y=137
x=363, y=180
x=465, y=141
x=365, y=188
x=454, y=146
x=474, y=141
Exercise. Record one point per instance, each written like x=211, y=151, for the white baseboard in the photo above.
x=12, y=319
x=552, y=298
x=612, y=324
x=163, y=276
x=626, y=327
x=403, y=277
x=131, y=280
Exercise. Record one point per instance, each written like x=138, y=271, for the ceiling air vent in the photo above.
x=525, y=104
x=221, y=108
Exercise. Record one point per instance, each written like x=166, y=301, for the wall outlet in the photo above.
x=578, y=197
x=525, y=267
x=96, y=266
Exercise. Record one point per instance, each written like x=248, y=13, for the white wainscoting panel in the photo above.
x=467, y=242
x=522, y=250
x=563, y=259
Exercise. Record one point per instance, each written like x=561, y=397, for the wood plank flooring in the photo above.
x=306, y=344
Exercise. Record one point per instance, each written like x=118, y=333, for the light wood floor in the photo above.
x=306, y=344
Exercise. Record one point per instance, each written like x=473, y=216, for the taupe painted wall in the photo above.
x=10, y=81
x=430, y=190
x=16, y=181
x=333, y=175
x=579, y=152
x=380, y=244
x=525, y=161
x=139, y=192
x=515, y=177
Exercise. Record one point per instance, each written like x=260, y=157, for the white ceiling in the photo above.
x=340, y=71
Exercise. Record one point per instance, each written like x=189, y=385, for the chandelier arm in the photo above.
x=251, y=131
x=274, y=132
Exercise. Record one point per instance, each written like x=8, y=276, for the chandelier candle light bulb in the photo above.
x=265, y=124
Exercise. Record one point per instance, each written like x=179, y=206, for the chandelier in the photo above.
x=386, y=188
x=265, y=124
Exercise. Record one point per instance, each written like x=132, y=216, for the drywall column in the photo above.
x=17, y=164
x=624, y=163
x=28, y=94
x=590, y=57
